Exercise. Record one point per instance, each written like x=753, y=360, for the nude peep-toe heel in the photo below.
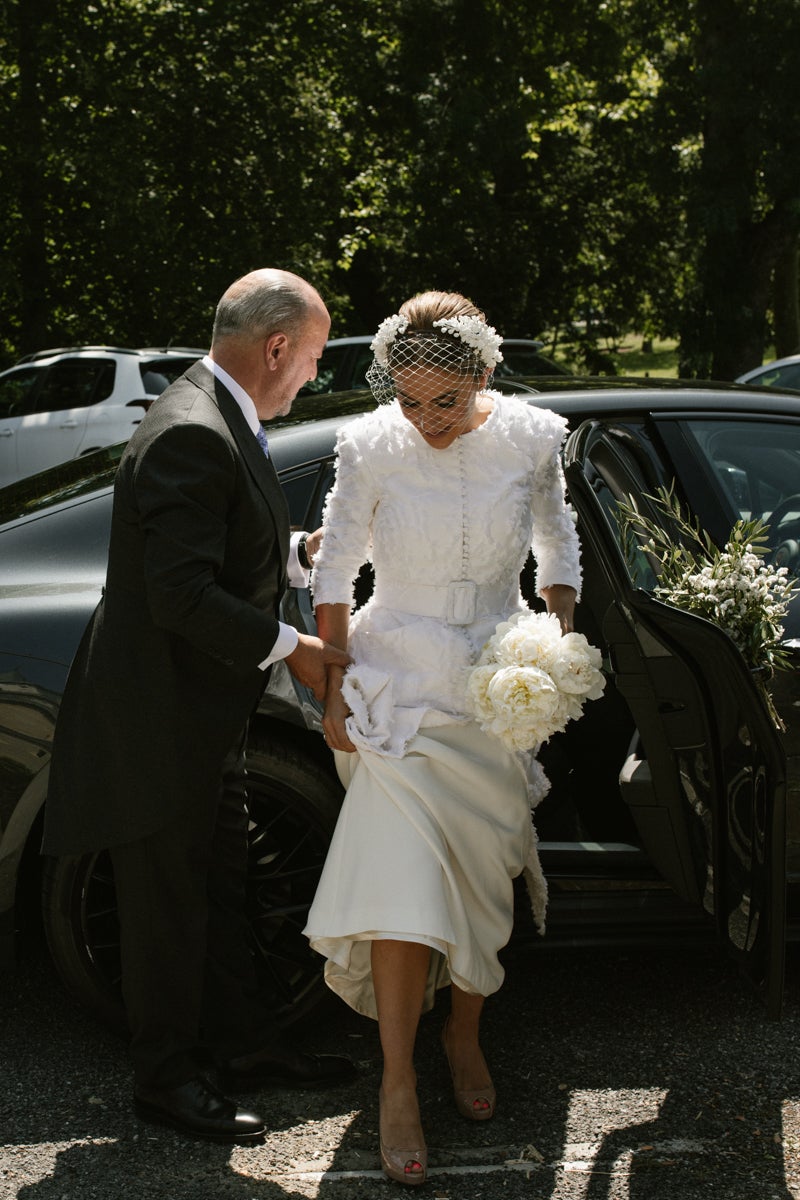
x=400, y=1163
x=484, y=1098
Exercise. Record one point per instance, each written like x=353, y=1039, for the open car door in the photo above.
x=706, y=778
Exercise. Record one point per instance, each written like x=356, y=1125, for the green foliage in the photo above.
x=554, y=161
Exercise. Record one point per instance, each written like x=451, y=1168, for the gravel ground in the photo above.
x=621, y=1076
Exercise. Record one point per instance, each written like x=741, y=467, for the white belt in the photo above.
x=458, y=603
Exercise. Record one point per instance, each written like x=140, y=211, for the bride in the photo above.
x=445, y=487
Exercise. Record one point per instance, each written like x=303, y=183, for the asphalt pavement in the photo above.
x=638, y=1075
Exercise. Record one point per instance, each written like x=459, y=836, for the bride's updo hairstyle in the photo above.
x=432, y=332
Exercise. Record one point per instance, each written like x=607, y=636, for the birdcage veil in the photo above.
x=432, y=370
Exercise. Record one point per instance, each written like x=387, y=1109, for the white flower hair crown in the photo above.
x=475, y=333
x=386, y=336
x=481, y=338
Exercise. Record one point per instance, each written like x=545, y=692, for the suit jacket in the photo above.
x=167, y=672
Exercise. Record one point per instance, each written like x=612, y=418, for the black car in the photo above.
x=674, y=810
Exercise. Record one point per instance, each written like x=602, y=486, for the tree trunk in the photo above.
x=33, y=269
x=740, y=277
x=786, y=302
x=741, y=226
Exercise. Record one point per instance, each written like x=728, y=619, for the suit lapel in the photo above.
x=260, y=467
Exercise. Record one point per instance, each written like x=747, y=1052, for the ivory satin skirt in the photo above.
x=426, y=849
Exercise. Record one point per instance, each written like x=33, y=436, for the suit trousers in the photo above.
x=188, y=977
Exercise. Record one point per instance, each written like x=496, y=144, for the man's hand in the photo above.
x=309, y=662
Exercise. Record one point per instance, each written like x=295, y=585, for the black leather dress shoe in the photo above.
x=285, y=1068
x=199, y=1109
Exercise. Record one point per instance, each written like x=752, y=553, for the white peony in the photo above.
x=530, y=641
x=524, y=701
x=478, y=691
x=576, y=669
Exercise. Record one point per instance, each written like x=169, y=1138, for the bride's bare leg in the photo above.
x=462, y=1045
x=399, y=974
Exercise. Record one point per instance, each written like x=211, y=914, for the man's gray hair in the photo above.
x=260, y=308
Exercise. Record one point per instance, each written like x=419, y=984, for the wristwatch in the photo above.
x=302, y=553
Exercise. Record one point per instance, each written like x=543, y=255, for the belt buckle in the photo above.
x=462, y=602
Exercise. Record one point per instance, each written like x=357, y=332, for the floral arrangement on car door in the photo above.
x=734, y=587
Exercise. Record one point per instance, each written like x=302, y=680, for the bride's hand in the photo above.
x=560, y=600
x=336, y=713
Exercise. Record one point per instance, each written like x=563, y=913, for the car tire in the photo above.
x=294, y=801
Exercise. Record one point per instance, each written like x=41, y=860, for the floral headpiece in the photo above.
x=481, y=338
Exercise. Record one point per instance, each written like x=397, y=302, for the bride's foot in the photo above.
x=473, y=1091
x=404, y=1156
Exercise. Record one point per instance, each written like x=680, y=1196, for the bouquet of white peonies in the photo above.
x=531, y=679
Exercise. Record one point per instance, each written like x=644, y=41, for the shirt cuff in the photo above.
x=298, y=576
x=285, y=643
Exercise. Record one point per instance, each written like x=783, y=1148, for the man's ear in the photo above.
x=275, y=348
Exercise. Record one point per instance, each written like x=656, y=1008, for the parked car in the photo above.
x=345, y=361
x=674, y=810
x=783, y=373
x=59, y=404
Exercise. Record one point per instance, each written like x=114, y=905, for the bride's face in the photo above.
x=441, y=405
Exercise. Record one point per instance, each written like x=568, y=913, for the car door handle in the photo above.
x=68, y=425
x=6, y=432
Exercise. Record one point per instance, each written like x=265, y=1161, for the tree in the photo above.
x=744, y=205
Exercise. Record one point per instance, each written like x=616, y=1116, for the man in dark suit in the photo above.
x=148, y=758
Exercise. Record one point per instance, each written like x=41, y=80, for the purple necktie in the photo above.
x=261, y=438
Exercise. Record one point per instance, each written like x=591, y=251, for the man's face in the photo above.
x=296, y=366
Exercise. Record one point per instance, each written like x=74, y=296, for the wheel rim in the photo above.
x=97, y=920
x=287, y=848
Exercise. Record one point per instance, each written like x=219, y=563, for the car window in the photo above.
x=67, y=481
x=755, y=463
x=158, y=373
x=16, y=391
x=728, y=468
x=525, y=360
x=781, y=377
x=327, y=367
x=76, y=383
x=305, y=488
x=361, y=364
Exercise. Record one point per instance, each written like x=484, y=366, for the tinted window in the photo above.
x=16, y=391
x=76, y=383
x=361, y=364
x=158, y=373
x=525, y=360
x=329, y=365
x=756, y=464
x=67, y=481
x=781, y=377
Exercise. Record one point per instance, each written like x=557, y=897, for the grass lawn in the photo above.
x=629, y=358
x=662, y=359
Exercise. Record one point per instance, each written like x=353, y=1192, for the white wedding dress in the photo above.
x=436, y=822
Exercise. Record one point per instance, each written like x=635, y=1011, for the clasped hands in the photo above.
x=320, y=667
x=310, y=661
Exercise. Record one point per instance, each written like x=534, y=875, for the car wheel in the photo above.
x=79, y=912
x=293, y=803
